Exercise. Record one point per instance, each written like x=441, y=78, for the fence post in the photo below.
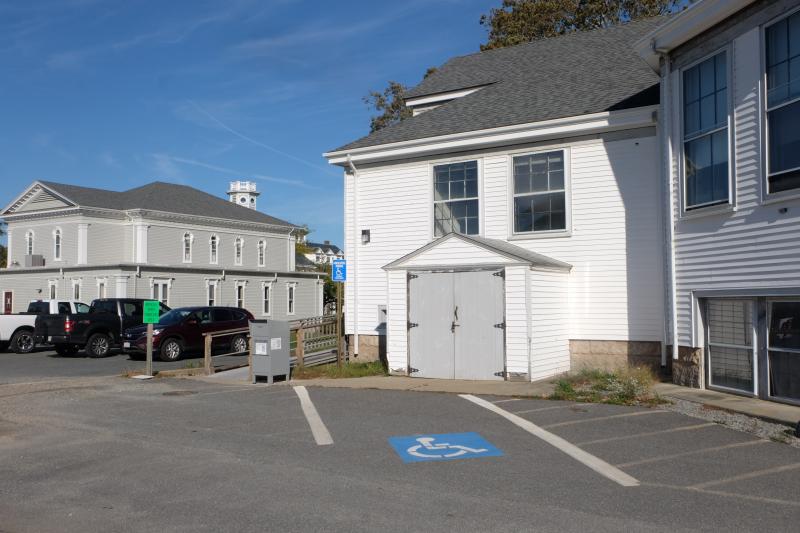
x=250, y=360
x=300, y=350
x=207, y=355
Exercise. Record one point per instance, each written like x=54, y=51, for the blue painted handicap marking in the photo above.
x=443, y=447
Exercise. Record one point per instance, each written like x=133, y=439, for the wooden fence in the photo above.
x=312, y=341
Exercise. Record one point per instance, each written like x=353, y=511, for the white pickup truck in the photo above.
x=16, y=331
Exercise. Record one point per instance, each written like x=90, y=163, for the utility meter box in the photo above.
x=270, y=349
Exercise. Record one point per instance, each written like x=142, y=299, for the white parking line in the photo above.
x=601, y=418
x=749, y=475
x=598, y=465
x=551, y=408
x=506, y=401
x=321, y=434
x=648, y=434
x=691, y=452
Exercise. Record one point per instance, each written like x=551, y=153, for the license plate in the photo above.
x=126, y=345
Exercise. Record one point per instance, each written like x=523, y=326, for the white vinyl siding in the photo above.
x=516, y=315
x=396, y=321
x=615, y=244
x=755, y=246
x=550, y=317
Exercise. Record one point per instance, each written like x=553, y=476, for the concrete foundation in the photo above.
x=613, y=355
x=370, y=348
x=687, y=369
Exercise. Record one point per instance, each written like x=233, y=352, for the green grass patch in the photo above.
x=630, y=386
x=348, y=370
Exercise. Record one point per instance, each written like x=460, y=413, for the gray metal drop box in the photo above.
x=270, y=349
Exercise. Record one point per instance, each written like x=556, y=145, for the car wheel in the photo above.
x=99, y=345
x=239, y=344
x=66, y=350
x=22, y=342
x=171, y=350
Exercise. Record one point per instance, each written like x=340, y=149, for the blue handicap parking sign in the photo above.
x=339, y=270
x=443, y=447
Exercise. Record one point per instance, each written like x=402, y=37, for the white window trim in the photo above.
x=30, y=242
x=707, y=343
x=76, y=282
x=161, y=281
x=52, y=289
x=240, y=284
x=58, y=244
x=183, y=246
x=213, y=255
x=291, y=288
x=432, y=193
x=766, y=196
x=262, y=253
x=548, y=234
x=266, y=285
x=215, y=284
x=238, y=251
x=104, y=282
x=713, y=208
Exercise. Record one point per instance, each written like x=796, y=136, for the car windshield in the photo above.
x=176, y=316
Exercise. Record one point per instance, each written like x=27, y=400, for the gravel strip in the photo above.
x=739, y=422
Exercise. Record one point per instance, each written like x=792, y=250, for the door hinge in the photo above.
x=499, y=273
x=412, y=325
x=413, y=276
x=412, y=370
x=500, y=374
x=501, y=325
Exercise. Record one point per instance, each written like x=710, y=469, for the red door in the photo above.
x=8, y=298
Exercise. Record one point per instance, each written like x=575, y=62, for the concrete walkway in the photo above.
x=496, y=388
x=772, y=411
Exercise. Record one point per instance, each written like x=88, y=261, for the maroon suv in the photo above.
x=181, y=330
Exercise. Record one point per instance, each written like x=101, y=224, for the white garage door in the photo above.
x=456, y=325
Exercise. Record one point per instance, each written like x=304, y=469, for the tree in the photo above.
x=390, y=104
x=522, y=21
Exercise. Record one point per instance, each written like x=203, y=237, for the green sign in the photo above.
x=151, y=312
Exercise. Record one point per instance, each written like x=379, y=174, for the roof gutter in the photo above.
x=502, y=136
x=356, y=236
x=684, y=26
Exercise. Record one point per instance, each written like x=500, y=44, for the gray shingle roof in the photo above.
x=167, y=197
x=575, y=74
x=325, y=247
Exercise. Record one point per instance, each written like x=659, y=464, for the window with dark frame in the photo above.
x=705, y=133
x=540, y=192
x=240, y=296
x=455, y=198
x=290, y=308
x=783, y=104
x=265, y=302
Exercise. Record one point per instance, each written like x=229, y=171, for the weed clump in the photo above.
x=629, y=386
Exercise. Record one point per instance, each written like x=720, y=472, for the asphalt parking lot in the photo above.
x=111, y=454
x=47, y=364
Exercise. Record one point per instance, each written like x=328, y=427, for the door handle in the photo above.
x=455, y=323
x=453, y=326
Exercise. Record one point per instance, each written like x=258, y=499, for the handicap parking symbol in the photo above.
x=443, y=447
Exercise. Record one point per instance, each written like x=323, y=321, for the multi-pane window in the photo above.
x=213, y=245
x=29, y=243
x=784, y=349
x=730, y=343
x=290, y=293
x=540, y=193
x=265, y=302
x=237, y=250
x=262, y=253
x=211, y=291
x=783, y=104
x=161, y=291
x=57, y=245
x=240, y=295
x=187, y=247
x=705, y=132
x=455, y=198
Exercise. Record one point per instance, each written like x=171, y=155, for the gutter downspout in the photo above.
x=667, y=173
x=356, y=238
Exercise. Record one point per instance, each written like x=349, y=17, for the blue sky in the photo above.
x=116, y=94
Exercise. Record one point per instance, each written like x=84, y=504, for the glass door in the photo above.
x=730, y=344
x=783, y=350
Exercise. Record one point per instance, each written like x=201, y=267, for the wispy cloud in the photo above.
x=165, y=167
x=258, y=143
x=238, y=173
